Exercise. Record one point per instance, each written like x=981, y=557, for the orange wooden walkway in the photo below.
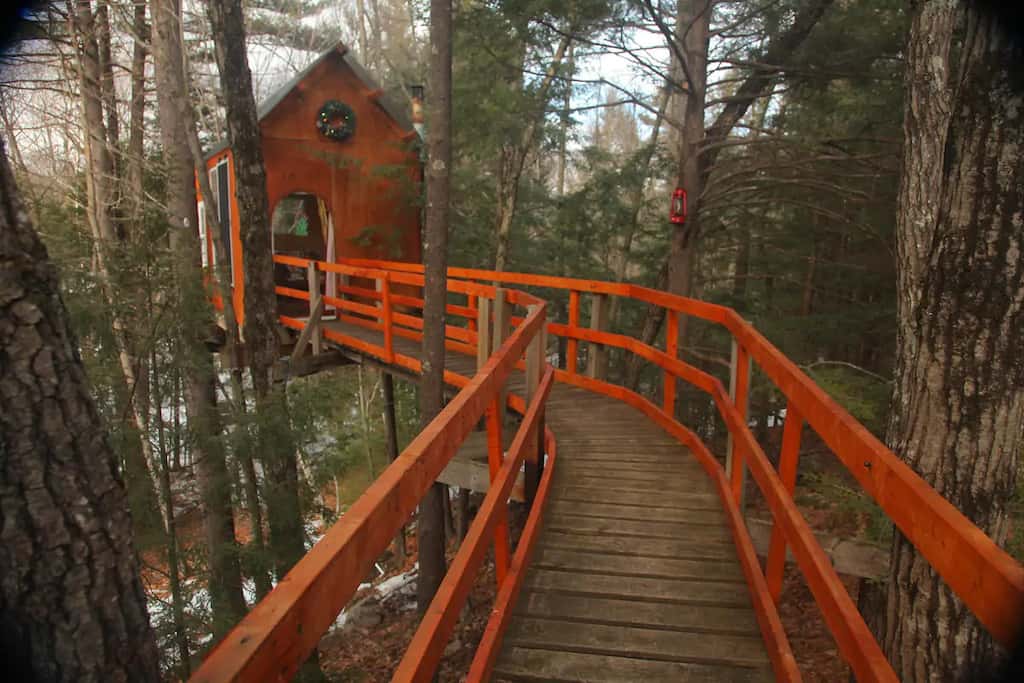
x=634, y=562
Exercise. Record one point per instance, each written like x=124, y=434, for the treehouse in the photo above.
x=343, y=175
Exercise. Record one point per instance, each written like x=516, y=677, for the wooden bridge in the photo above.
x=635, y=562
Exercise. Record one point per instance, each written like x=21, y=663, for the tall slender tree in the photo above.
x=71, y=601
x=274, y=438
x=194, y=319
x=958, y=401
x=430, y=525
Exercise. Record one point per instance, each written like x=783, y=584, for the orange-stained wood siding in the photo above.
x=370, y=182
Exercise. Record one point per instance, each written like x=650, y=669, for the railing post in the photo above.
x=672, y=349
x=597, y=358
x=739, y=393
x=483, y=332
x=313, y=277
x=385, y=297
x=788, y=460
x=471, y=305
x=534, y=372
x=495, y=457
x=571, y=343
x=499, y=333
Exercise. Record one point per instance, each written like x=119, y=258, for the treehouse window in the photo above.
x=222, y=202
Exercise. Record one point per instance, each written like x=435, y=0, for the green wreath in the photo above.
x=336, y=121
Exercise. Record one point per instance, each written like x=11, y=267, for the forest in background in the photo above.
x=571, y=129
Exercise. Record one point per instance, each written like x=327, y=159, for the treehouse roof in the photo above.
x=394, y=110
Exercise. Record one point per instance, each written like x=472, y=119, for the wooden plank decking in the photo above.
x=634, y=577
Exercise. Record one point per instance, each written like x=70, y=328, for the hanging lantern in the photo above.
x=677, y=213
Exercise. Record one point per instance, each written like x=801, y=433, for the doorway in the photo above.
x=302, y=227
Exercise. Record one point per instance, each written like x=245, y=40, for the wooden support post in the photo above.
x=387, y=315
x=597, y=358
x=315, y=303
x=739, y=392
x=571, y=344
x=391, y=444
x=672, y=349
x=788, y=461
x=471, y=305
x=499, y=333
x=495, y=458
x=534, y=373
x=483, y=333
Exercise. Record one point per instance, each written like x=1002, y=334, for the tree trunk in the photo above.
x=430, y=525
x=167, y=499
x=194, y=318
x=71, y=602
x=134, y=160
x=101, y=180
x=391, y=444
x=697, y=147
x=273, y=432
x=958, y=401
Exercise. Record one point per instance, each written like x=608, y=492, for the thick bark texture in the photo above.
x=273, y=436
x=71, y=602
x=430, y=525
x=958, y=405
x=194, y=319
x=391, y=446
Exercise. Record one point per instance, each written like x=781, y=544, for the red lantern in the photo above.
x=677, y=213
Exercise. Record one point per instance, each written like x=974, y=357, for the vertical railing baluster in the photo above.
x=313, y=278
x=499, y=333
x=495, y=424
x=572, y=344
x=739, y=393
x=534, y=371
x=471, y=305
x=788, y=461
x=483, y=332
x=597, y=356
x=385, y=295
x=672, y=349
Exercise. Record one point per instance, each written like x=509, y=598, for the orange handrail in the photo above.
x=427, y=646
x=985, y=577
x=989, y=581
x=273, y=640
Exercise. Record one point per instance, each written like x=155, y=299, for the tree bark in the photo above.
x=194, y=319
x=430, y=525
x=697, y=151
x=101, y=181
x=71, y=602
x=273, y=432
x=958, y=401
x=391, y=444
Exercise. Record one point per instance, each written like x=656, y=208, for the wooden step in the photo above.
x=557, y=508
x=526, y=664
x=612, y=612
x=588, y=562
x=641, y=643
x=682, y=592
x=640, y=547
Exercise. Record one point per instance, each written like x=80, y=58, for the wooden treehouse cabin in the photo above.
x=343, y=175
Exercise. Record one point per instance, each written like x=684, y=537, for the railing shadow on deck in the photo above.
x=985, y=577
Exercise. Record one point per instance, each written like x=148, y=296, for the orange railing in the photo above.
x=270, y=643
x=277, y=636
x=984, y=576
